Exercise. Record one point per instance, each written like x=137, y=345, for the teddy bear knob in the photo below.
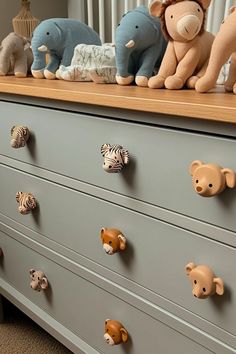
x=115, y=333
x=26, y=201
x=210, y=179
x=203, y=281
x=38, y=280
x=19, y=136
x=115, y=158
x=113, y=240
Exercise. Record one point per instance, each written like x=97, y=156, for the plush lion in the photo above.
x=188, y=50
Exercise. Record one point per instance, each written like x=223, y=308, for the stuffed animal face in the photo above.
x=210, y=179
x=115, y=333
x=115, y=157
x=182, y=20
x=27, y=202
x=113, y=241
x=47, y=35
x=38, y=280
x=204, y=283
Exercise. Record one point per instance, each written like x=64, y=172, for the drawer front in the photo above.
x=156, y=254
x=73, y=301
x=157, y=173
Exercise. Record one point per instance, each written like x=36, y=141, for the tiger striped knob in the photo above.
x=19, y=136
x=26, y=201
x=115, y=157
x=113, y=240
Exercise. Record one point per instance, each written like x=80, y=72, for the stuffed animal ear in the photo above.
x=58, y=28
x=32, y=271
x=105, y=148
x=189, y=267
x=12, y=129
x=230, y=177
x=44, y=283
x=125, y=156
x=124, y=335
x=155, y=8
x=103, y=229
x=232, y=9
x=205, y=3
x=219, y=286
x=122, y=240
x=18, y=195
x=193, y=166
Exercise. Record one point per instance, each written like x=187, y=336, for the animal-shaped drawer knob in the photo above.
x=115, y=158
x=210, y=179
x=115, y=333
x=19, y=136
x=26, y=201
x=203, y=281
x=38, y=280
x=113, y=240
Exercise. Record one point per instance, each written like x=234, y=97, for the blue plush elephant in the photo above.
x=58, y=37
x=140, y=46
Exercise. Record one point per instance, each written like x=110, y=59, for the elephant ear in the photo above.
x=58, y=29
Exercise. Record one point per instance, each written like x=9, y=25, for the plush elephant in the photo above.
x=223, y=47
x=15, y=56
x=58, y=37
x=140, y=46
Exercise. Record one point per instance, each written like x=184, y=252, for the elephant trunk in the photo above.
x=123, y=53
x=39, y=62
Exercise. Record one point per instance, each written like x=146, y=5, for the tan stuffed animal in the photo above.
x=113, y=240
x=189, y=46
x=223, y=47
x=15, y=56
x=115, y=333
x=38, y=280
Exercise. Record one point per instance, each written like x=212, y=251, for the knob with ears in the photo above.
x=38, y=280
x=203, y=281
x=26, y=201
x=113, y=240
x=115, y=333
x=115, y=158
x=210, y=179
x=19, y=136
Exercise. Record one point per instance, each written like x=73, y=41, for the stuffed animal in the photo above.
x=140, y=46
x=115, y=333
x=91, y=62
x=115, y=157
x=189, y=46
x=223, y=47
x=113, y=240
x=15, y=56
x=38, y=280
x=203, y=281
x=210, y=179
x=58, y=37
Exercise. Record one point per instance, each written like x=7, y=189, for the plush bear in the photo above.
x=115, y=157
x=38, y=280
x=113, y=241
x=58, y=37
x=115, y=333
x=211, y=179
x=15, y=56
x=189, y=46
x=203, y=281
x=223, y=47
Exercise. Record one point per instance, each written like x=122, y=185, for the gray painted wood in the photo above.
x=158, y=172
x=157, y=252
x=89, y=302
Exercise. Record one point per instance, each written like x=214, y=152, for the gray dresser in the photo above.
x=151, y=201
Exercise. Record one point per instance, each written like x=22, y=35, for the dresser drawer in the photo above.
x=70, y=144
x=156, y=254
x=73, y=301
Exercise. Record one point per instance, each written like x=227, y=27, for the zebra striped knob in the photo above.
x=19, y=136
x=115, y=158
x=26, y=201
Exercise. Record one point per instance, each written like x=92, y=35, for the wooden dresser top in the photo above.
x=216, y=106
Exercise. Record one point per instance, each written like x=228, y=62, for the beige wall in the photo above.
x=40, y=8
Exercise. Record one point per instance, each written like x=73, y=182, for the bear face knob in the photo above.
x=115, y=333
x=113, y=240
x=38, y=280
x=203, y=281
x=19, y=136
x=210, y=179
x=115, y=158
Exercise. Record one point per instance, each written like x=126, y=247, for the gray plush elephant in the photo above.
x=58, y=37
x=140, y=47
